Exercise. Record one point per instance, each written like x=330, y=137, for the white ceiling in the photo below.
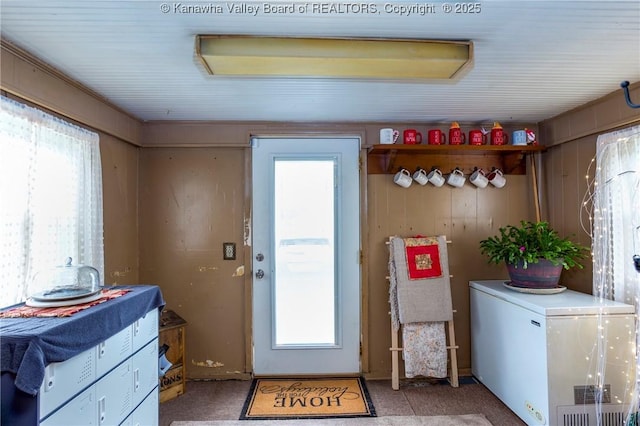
x=533, y=59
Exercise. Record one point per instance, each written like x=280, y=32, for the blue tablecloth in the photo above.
x=28, y=345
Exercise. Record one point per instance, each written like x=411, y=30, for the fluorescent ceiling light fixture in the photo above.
x=333, y=57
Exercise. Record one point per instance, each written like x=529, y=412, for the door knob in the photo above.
x=260, y=257
x=259, y=274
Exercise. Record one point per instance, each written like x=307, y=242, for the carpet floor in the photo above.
x=223, y=400
x=463, y=420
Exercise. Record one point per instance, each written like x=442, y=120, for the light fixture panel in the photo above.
x=333, y=57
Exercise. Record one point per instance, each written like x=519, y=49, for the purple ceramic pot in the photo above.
x=543, y=274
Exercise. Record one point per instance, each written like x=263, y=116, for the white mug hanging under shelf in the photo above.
x=496, y=178
x=435, y=177
x=403, y=178
x=478, y=178
x=420, y=176
x=456, y=178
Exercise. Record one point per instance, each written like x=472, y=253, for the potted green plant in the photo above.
x=534, y=253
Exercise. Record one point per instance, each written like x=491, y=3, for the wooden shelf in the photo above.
x=388, y=159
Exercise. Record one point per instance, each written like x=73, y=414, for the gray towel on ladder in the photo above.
x=420, y=289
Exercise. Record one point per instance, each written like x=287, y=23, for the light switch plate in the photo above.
x=229, y=251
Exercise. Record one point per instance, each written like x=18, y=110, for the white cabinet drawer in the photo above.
x=114, y=395
x=146, y=414
x=80, y=411
x=102, y=385
x=145, y=371
x=63, y=380
x=113, y=350
x=145, y=329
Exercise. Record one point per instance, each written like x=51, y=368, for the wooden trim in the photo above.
x=20, y=93
x=54, y=72
x=596, y=132
x=603, y=123
x=534, y=180
x=248, y=262
x=364, y=265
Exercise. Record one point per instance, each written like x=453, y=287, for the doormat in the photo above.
x=317, y=398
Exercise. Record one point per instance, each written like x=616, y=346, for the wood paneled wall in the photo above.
x=191, y=201
x=120, y=211
x=571, y=138
x=466, y=216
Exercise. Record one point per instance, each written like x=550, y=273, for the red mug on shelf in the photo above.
x=499, y=137
x=412, y=137
x=437, y=137
x=476, y=137
x=456, y=136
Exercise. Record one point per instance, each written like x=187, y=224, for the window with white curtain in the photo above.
x=616, y=235
x=616, y=216
x=50, y=198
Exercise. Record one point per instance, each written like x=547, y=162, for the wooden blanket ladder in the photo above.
x=395, y=350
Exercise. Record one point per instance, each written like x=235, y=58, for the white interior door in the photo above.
x=306, y=246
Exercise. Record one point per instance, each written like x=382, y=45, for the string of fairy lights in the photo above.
x=604, y=194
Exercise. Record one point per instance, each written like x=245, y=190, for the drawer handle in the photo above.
x=102, y=404
x=536, y=323
x=49, y=377
x=136, y=379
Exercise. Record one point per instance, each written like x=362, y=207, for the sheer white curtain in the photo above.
x=616, y=229
x=616, y=213
x=50, y=197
